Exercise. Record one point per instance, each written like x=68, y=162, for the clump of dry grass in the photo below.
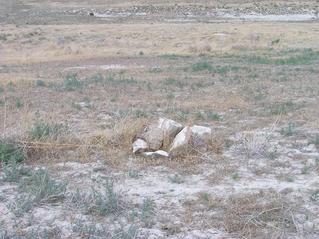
x=116, y=140
x=265, y=214
x=121, y=136
x=259, y=216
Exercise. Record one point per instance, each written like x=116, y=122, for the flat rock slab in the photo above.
x=156, y=154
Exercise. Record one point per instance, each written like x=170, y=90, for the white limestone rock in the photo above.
x=181, y=141
x=156, y=154
x=139, y=146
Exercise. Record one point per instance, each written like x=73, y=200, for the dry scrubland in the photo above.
x=75, y=90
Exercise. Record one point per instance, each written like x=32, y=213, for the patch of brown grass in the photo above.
x=258, y=216
x=265, y=214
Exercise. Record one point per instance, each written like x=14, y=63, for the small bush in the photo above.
x=260, y=215
x=19, y=103
x=315, y=140
x=42, y=187
x=202, y=66
x=89, y=230
x=315, y=196
x=97, y=78
x=256, y=145
x=12, y=171
x=147, y=212
x=21, y=205
x=104, y=202
x=3, y=230
x=289, y=130
x=209, y=115
x=11, y=86
x=43, y=130
x=176, y=179
x=40, y=83
x=107, y=202
x=283, y=108
x=71, y=83
x=10, y=152
x=174, y=82
x=140, y=114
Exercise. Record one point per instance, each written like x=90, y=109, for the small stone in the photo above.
x=181, y=141
x=201, y=135
x=170, y=129
x=308, y=226
x=139, y=146
x=83, y=104
x=161, y=133
x=154, y=137
x=157, y=154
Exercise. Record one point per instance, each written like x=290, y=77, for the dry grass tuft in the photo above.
x=265, y=214
x=260, y=215
x=185, y=164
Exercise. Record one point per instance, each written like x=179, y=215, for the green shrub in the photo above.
x=174, y=82
x=101, y=202
x=289, y=130
x=10, y=152
x=42, y=187
x=22, y=204
x=19, y=103
x=208, y=115
x=202, y=66
x=71, y=83
x=147, y=212
x=43, y=130
x=283, y=108
x=40, y=83
x=12, y=171
x=315, y=140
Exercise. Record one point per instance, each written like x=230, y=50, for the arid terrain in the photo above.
x=80, y=79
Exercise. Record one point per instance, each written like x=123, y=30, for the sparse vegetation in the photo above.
x=71, y=83
x=315, y=140
x=147, y=212
x=13, y=171
x=10, y=152
x=283, y=108
x=74, y=97
x=40, y=83
x=19, y=103
x=255, y=215
x=202, y=66
x=176, y=179
x=209, y=115
x=99, y=202
x=42, y=130
x=174, y=82
x=42, y=188
x=289, y=130
x=134, y=174
x=235, y=176
x=297, y=57
x=35, y=187
x=315, y=196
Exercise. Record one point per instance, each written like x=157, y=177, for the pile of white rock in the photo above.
x=167, y=138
